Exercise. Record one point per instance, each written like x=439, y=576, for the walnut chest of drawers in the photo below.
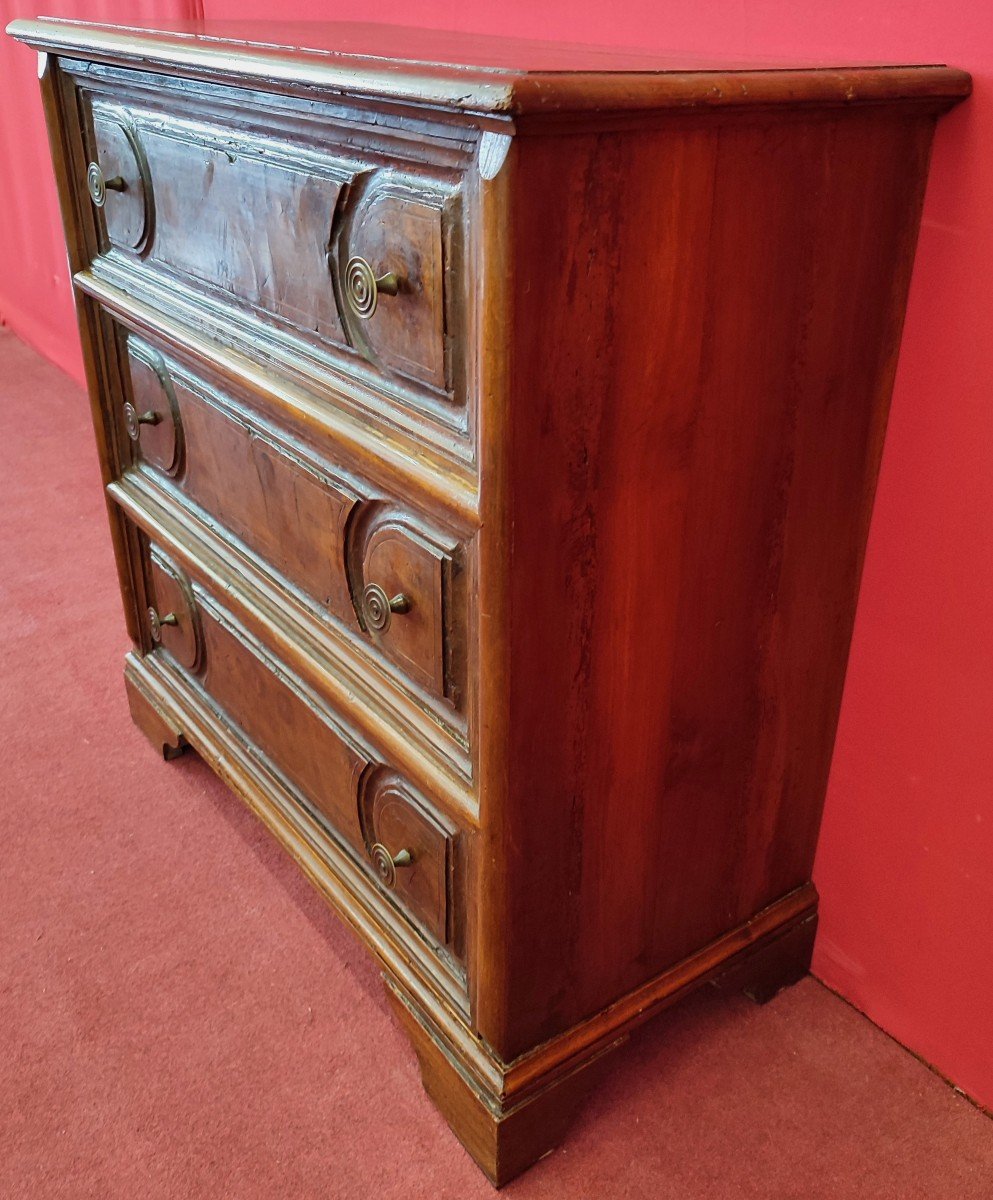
x=489, y=433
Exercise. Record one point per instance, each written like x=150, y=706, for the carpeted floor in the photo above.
x=181, y=1017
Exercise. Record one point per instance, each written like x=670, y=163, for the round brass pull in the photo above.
x=363, y=288
x=155, y=623
x=386, y=863
x=99, y=187
x=379, y=608
x=134, y=420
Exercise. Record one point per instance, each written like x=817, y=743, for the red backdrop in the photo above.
x=905, y=866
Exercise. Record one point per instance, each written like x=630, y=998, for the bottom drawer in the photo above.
x=408, y=848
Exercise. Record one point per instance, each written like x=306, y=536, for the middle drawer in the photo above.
x=388, y=576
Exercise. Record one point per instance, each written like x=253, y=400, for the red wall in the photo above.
x=905, y=867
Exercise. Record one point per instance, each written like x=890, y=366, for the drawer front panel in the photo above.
x=292, y=516
x=118, y=180
x=288, y=512
x=151, y=414
x=248, y=225
x=284, y=723
x=173, y=616
x=407, y=848
x=357, y=258
x=390, y=578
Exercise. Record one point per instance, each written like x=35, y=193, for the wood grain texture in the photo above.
x=240, y=220
x=490, y=446
x=281, y=230
x=689, y=497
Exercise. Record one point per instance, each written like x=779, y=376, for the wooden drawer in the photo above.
x=354, y=255
x=385, y=574
x=408, y=848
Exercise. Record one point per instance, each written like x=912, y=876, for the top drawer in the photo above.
x=348, y=252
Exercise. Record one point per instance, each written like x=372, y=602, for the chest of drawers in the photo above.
x=489, y=433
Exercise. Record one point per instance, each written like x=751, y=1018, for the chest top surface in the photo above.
x=482, y=73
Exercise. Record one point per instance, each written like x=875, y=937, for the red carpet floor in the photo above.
x=181, y=1017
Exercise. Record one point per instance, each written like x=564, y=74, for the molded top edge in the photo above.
x=472, y=72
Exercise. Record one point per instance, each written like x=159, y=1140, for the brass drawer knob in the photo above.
x=387, y=864
x=379, y=608
x=363, y=288
x=99, y=187
x=155, y=623
x=134, y=420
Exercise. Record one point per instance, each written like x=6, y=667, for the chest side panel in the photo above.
x=705, y=324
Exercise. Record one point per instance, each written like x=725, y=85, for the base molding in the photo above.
x=151, y=718
x=762, y=971
x=503, y=1139
x=509, y=1115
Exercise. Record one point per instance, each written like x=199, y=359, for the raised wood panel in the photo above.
x=123, y=186
x=396, y=559
x=288, y=511
x=290, y=514
x=277, y=715
x=398, y=227
x=151, y=411
x=173, y=617
x=274, y=226
x=235, y=217
x=407, y=849
x=411, y=848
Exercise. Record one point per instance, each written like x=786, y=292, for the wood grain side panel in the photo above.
x=691, y=486
x=849, y=357
x=630, y=294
